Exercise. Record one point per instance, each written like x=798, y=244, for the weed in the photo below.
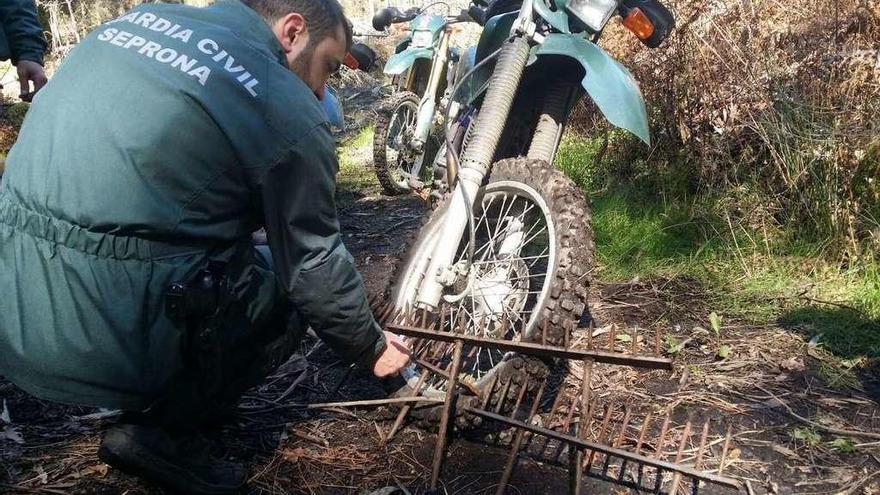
x=806, y=436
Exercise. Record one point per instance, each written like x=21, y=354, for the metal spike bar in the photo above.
x=538, y=350
x=704, y=437
x=491, y=389
x=519, y=397
x=404, y=412
x=635, y=340
x=624, y=454
x=601, y=437
x=625, y=424
x=503, y=397
x=566, y=425
x=517, y=441
x=590, y=331
x=385, y=312
x=612, y=337
x=583, y=426
x=618, y=441
x=443, y=312
x=724, y=450
x=505, y=325
x=560, y=393
x=657, y=341
x=424, y=318
x=447, y=375
x=442, y=433
x=544, y=332
x=658, y=452
x=676, y=480
x=439, y=349
x=645, y=425
x=566, y=333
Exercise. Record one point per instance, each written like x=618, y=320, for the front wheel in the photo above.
x=530, y=275
x=393, y=157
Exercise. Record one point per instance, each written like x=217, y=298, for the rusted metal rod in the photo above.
x=424, y=364
x=649, y=362
x=406, y=409
x=517, y=442
x=449, y=403
x=623, y=454
x=377, y=402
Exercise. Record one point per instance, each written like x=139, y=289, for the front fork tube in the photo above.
x=428, y=105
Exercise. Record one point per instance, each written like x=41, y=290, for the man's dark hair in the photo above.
x=323, y=17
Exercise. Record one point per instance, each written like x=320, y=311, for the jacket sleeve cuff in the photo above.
x=368, y=358
x=31, y=56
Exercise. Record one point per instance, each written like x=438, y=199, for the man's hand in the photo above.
x=30, y=72
x=393, y=359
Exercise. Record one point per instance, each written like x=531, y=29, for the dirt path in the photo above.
x=771, y=375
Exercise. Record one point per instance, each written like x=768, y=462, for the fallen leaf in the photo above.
x=793, y=364
x=10, y=433
x=293, y=455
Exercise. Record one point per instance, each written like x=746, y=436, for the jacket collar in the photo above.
x=250, y=26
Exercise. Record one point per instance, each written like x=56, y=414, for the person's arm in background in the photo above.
x=315, y=268
x=26, y=42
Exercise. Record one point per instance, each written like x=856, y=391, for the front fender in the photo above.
x=401, y=62
x=609, y=83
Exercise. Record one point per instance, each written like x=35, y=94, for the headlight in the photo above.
x=422, y=39
x=593, y=13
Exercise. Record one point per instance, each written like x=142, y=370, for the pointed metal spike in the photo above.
x=401, y=416
x=645, y=425
x=590, y=331
x=522, y=393
x=624, y=425
x=443, y=313
x=657, y=341
x=612, y=337
x=503, y=397
x=703, y=438
x=424, y=322
x=601, y=437
x=566, y=333
x=661, y=440
x=676, y=480
x=635, y=340
x=485, y=402
x=724, y=450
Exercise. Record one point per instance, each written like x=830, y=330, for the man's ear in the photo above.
x=292, y=32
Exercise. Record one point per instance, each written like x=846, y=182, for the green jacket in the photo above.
x=165, y=138
x=21, y=36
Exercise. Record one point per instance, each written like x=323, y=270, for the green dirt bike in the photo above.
x=509, y=252
x=424, y=67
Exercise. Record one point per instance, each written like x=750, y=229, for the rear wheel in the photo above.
x=529, y=278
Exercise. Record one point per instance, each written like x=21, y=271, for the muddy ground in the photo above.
x=796, y=425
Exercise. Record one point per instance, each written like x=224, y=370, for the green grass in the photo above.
x=356, y=175
x=750, y=276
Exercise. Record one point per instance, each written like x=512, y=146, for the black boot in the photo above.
x=180, y=462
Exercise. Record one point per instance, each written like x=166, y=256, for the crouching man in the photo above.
x=129, y=279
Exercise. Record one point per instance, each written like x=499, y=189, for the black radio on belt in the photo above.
x=198, y=297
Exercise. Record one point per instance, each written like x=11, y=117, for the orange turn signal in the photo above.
x=351, y=62
x=639, y=23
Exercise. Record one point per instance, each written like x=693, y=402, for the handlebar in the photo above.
x=393, y=15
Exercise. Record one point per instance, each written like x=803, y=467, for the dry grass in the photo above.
x=773, y=104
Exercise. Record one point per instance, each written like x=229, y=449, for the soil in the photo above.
x=771, y=377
